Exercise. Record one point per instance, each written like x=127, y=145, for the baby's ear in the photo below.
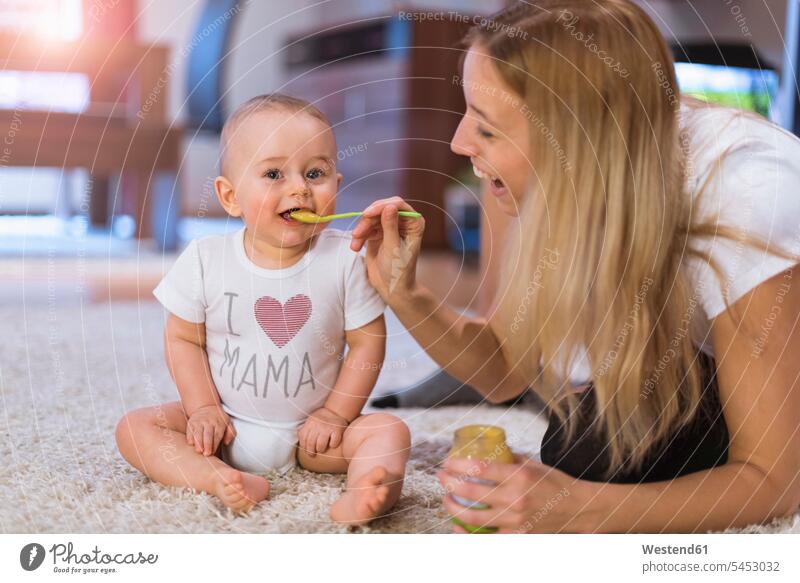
x=339, y=178
x=227, y=196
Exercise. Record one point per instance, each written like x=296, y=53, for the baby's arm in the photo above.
x=325, y=426
x=187, y=361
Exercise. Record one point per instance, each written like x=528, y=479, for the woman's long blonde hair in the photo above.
x=599, y=258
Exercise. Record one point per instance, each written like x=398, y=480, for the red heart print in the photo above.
x=282, y=322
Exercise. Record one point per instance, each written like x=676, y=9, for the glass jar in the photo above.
x=486, y=443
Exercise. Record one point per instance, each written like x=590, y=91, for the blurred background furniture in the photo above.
x=104, y=138
x=118, y=131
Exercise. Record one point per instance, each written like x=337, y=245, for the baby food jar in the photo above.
x=479, y=442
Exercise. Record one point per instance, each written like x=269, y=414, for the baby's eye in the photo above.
x=315, y=173
x=272, y=174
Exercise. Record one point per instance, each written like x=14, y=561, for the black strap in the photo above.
x=700, y=445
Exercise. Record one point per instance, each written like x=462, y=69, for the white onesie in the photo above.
x=275, y=338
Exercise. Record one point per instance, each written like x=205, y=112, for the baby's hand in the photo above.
x=322, y=429
x=207, y=427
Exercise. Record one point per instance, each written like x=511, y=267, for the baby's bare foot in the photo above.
x=368, y=498
x=240, y=491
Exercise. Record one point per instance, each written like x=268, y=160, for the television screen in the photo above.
x=752, y=89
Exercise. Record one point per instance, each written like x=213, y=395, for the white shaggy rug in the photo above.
x=68, y=371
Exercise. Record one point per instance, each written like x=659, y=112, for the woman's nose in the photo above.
x=461, y=145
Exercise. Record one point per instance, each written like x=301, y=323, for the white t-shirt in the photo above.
x=756, y=189
x=275, y=338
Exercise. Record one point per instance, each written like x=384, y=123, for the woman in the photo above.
x=647, y=296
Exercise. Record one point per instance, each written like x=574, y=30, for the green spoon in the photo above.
x=306, y=216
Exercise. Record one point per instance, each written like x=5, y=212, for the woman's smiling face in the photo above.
x=494, y=132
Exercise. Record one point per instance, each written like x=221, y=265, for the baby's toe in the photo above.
x=234, y=478
x=239, y=504
x=231, y=492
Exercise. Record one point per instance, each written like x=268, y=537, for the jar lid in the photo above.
x=491, y=432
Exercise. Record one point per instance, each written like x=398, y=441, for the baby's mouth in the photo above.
x=286, y=215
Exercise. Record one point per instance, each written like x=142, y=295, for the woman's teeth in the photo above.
x=482, y=175
x=479, y=173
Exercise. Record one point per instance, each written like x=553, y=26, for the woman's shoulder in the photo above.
x=711, y=131
x=736, y=158
x=744, y=172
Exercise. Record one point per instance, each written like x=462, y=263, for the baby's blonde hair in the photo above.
x=269, y=101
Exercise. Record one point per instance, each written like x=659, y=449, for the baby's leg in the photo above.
x=374, y=452
x=153, y=440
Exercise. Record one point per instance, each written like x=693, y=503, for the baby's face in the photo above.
x=280, y=161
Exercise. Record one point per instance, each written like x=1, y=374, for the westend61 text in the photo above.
x=674, y=550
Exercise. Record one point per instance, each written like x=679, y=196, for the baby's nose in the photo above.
x=300, y=187
x=301, y=190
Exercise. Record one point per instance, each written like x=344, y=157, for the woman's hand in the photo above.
x=529, y=496
x=321, y=430
x=393, y=245
x=207, y=427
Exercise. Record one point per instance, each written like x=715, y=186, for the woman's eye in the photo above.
x=272, y=174
x=484, y=133
x=315, y=173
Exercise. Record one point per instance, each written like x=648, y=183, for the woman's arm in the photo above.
x=758, y=376
x=466, y=348
x=736, y=494
x=761, y=402
x=533, y=497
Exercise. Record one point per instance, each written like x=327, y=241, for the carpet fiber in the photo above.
x=68, y=372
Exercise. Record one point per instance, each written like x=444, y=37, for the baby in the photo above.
x=256, y=332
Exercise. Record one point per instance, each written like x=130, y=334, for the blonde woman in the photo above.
x=649, y=295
